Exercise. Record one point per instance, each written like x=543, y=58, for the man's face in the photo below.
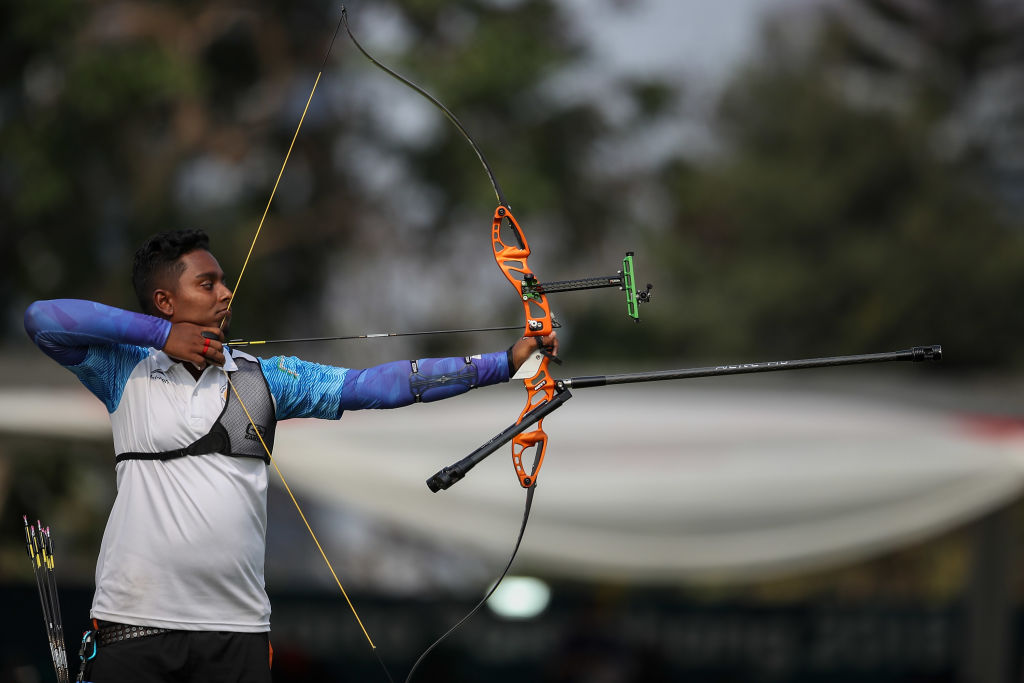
x=200, y=295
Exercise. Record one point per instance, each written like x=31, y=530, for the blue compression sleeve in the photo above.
x=64, y=329
x=303, y=389
x=429, y=379
x=99, y=344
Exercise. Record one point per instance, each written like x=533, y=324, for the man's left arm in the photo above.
x=304, y=389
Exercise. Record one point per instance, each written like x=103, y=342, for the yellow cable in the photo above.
x=301, y=514
x=234, y=293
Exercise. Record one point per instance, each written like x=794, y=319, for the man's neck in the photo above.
x=193, y=370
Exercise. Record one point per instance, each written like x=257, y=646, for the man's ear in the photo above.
x=163, y=300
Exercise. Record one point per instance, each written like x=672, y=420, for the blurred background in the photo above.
x=798, y=178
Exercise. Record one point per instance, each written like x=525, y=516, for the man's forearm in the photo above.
x=429, y=379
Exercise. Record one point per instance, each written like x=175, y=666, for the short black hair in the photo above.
x=157, y=261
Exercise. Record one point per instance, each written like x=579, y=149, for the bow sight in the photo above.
x=623, y=279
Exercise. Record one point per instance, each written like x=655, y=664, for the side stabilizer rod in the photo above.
x=453, y=473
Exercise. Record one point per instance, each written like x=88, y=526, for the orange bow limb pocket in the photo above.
x=521, y=443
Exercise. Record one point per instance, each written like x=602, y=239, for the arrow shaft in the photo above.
x=373, y=335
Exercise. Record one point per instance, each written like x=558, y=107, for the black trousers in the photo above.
x=184, y=657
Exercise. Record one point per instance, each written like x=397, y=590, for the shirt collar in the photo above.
x=164, y=362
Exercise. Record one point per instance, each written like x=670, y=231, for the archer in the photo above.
x=179, y=580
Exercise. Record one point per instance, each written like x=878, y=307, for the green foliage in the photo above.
x=837, y=216
x=832, y=226
x=112, y=114
x=106, y=84
x=69, y=486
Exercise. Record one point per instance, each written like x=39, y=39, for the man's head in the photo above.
x=176, y=277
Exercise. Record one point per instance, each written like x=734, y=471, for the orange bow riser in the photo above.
x=540, y=386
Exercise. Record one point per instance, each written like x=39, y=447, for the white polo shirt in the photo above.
x=185, y=542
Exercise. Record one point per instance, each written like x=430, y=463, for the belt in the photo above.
x=117, y=633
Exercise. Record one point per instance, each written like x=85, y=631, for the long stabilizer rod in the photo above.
x=916, y=354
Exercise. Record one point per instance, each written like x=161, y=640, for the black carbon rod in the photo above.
x=453, y=473
x=916, y=354
x=598, y=282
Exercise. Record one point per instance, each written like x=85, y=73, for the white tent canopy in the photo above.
x=641, y=483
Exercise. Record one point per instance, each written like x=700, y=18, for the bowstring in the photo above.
x=231, y=300
x=494, y=587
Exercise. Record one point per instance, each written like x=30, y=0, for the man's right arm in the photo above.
x=99, y=344
x=64, y=329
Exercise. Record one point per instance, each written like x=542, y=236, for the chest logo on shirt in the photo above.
x=160, y=375
x=282, y=368
x=250, y=432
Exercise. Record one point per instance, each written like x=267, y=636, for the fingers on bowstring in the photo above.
x=213, y=346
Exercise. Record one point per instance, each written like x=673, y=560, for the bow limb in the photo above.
x=434, y=101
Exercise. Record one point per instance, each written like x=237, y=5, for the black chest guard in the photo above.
x=233, y=434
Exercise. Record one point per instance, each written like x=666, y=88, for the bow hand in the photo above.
x=527, y=349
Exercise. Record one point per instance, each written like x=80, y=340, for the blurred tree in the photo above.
x=848, y=209
x=832, y=224
x=958, y=66
x=121, y=120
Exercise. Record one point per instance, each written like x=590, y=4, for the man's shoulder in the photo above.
x=107, y=368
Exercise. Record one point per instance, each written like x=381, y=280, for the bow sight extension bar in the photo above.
x=453, y=473
x=623, y=279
